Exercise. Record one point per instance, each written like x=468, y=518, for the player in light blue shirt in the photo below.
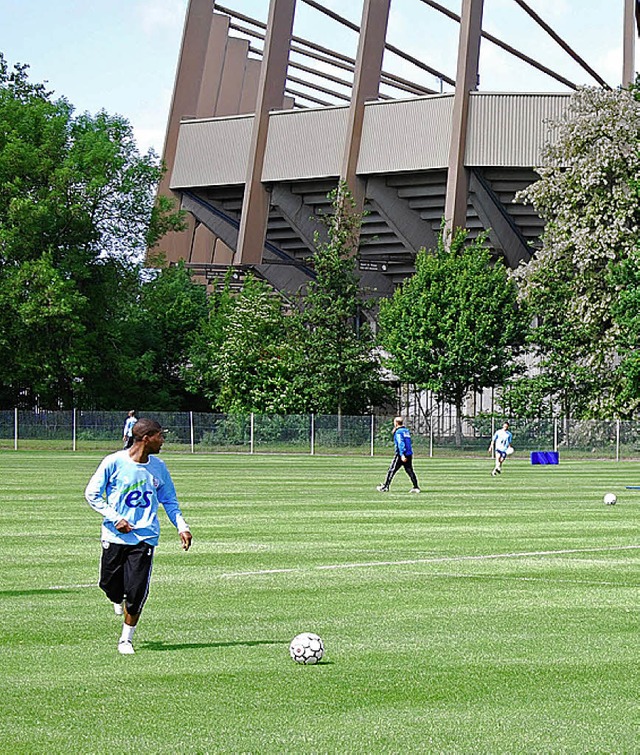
x=500, y=444
x=127, y=432
x=127, y=489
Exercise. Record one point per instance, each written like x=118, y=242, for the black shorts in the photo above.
x=125, y=572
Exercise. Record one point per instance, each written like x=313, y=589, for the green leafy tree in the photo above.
x=338, y=372
x=625, y=277
x=587, y=196
x=162, y=326
x=455, y=325
x=255, y=354
x=77, y=212
x=242, y=358
x=626, y=315
x=200, y=371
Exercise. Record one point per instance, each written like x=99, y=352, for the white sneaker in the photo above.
x=494, y=473
x=118, y=609
x=382, y=489
x=414, y=490
x=125, y=648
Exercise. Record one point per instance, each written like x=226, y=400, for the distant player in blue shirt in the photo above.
x=403, y=457
x=126, y=490
x=500, y=445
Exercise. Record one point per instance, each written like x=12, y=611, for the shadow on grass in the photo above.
x=43, y=591
x=150, y=645
x=159, y=645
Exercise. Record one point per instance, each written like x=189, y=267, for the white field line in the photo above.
x=403, y=562
x=72, y=587
x=432, y=560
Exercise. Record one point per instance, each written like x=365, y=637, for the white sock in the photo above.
x=127, y=633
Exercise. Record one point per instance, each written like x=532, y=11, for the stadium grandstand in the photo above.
x=264, y=123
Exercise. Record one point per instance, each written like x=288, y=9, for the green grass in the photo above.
x=483, y=616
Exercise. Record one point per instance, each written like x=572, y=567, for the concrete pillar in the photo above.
x=366, y=83
x=455, y=211
x=214, y=62
x=271, y=86
x=629, y=43
x=186, y=93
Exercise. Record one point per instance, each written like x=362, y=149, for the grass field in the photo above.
x=482, y=616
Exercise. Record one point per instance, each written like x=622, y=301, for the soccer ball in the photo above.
x=306, y=648
x=510, y=450
x=610, y=499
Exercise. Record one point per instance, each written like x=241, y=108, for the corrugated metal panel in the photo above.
x=511, y=129
x=212, y=152
x=305, y=144
x=406, y=135
x=504, y=130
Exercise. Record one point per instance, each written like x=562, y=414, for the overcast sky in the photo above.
x=121, y=55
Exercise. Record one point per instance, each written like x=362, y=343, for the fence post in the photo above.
x=431, y=438
x=372, y=432
x=313, y=434
x=15, y=429
x=191, y=432
x=555, y=433
x=73, y=428
x=617, y=440
x=251, y=436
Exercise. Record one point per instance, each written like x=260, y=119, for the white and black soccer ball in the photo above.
x=610, y=499
x=306, y=648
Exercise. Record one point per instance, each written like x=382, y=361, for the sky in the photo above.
x=121, y=55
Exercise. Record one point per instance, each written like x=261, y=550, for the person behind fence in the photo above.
x=500, y=444
x=403, y=457
x=126, y=490
x=127, y=433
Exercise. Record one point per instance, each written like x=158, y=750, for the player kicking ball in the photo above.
x=126, y=490
x=500, y=445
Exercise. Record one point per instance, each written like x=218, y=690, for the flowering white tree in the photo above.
x=587, y=195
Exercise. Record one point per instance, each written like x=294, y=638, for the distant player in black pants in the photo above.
x=403, y=457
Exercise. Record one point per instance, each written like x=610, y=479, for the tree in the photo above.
x=242, y=359
x=162, y=326
x=76, y=215
x=200, y=370
x=626, y=316
x=455, y=325
x=255, y=354
x=339, y=371
x=587, y=198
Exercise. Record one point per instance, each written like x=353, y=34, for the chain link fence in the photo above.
x=199, y=432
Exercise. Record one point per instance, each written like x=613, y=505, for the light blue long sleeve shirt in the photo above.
x=124, y=489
